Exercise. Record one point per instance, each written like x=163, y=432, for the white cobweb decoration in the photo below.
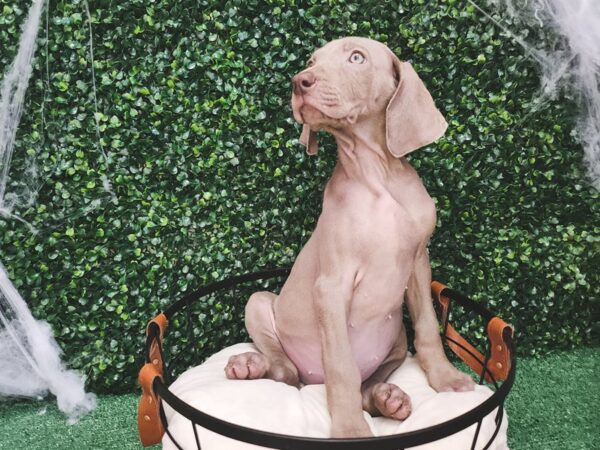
x=570, y=61
x=31, y=365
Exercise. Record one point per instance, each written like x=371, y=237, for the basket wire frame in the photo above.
x=286, y=442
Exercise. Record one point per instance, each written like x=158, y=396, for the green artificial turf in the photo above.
x=555, y=404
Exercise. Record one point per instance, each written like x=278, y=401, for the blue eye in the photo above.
x=357, y=58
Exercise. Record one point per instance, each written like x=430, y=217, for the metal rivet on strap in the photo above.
x=147, y=418
x=155, y=362
x=499, y=365
x=499, y=348
x=149, y=399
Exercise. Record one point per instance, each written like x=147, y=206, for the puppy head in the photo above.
x=353, y=78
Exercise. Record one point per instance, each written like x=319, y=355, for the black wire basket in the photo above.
x=495, y=367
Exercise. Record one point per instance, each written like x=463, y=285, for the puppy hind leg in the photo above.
x=271, y=361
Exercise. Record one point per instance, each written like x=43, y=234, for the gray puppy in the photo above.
x=338, y=318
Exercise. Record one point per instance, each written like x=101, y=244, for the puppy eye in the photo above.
x=310, y=62
x=357, y=58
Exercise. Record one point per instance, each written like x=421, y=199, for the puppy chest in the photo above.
x=403, y=216
x=392, y=238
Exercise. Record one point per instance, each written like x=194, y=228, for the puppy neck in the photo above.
x=363, y=155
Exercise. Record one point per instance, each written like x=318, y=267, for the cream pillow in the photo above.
x=276, y=407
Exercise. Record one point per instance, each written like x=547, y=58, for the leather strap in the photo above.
x=150, y=427
x=161, y=322
x=499, y=362
x=155, y=357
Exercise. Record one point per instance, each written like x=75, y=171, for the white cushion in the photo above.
x=272, y=406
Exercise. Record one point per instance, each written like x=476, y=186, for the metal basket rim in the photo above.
x=284, y=441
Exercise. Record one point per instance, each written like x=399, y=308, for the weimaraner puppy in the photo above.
x=338, y=317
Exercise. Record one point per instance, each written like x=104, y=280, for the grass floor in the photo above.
x=555, y=404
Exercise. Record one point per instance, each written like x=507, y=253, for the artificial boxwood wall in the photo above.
x=209, y=178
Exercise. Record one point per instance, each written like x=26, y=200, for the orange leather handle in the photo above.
x=160, y=321
x=500, y=357
x=497, y=329
x=149, y=425
x=154, y=353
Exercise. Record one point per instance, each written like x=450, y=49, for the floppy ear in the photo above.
x=309, y=139
x=411, y=119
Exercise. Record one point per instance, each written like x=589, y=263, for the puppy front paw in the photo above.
x=448, y=378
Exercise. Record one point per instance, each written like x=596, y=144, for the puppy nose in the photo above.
x=303, y=82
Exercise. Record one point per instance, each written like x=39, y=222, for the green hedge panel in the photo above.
x=209, y=178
